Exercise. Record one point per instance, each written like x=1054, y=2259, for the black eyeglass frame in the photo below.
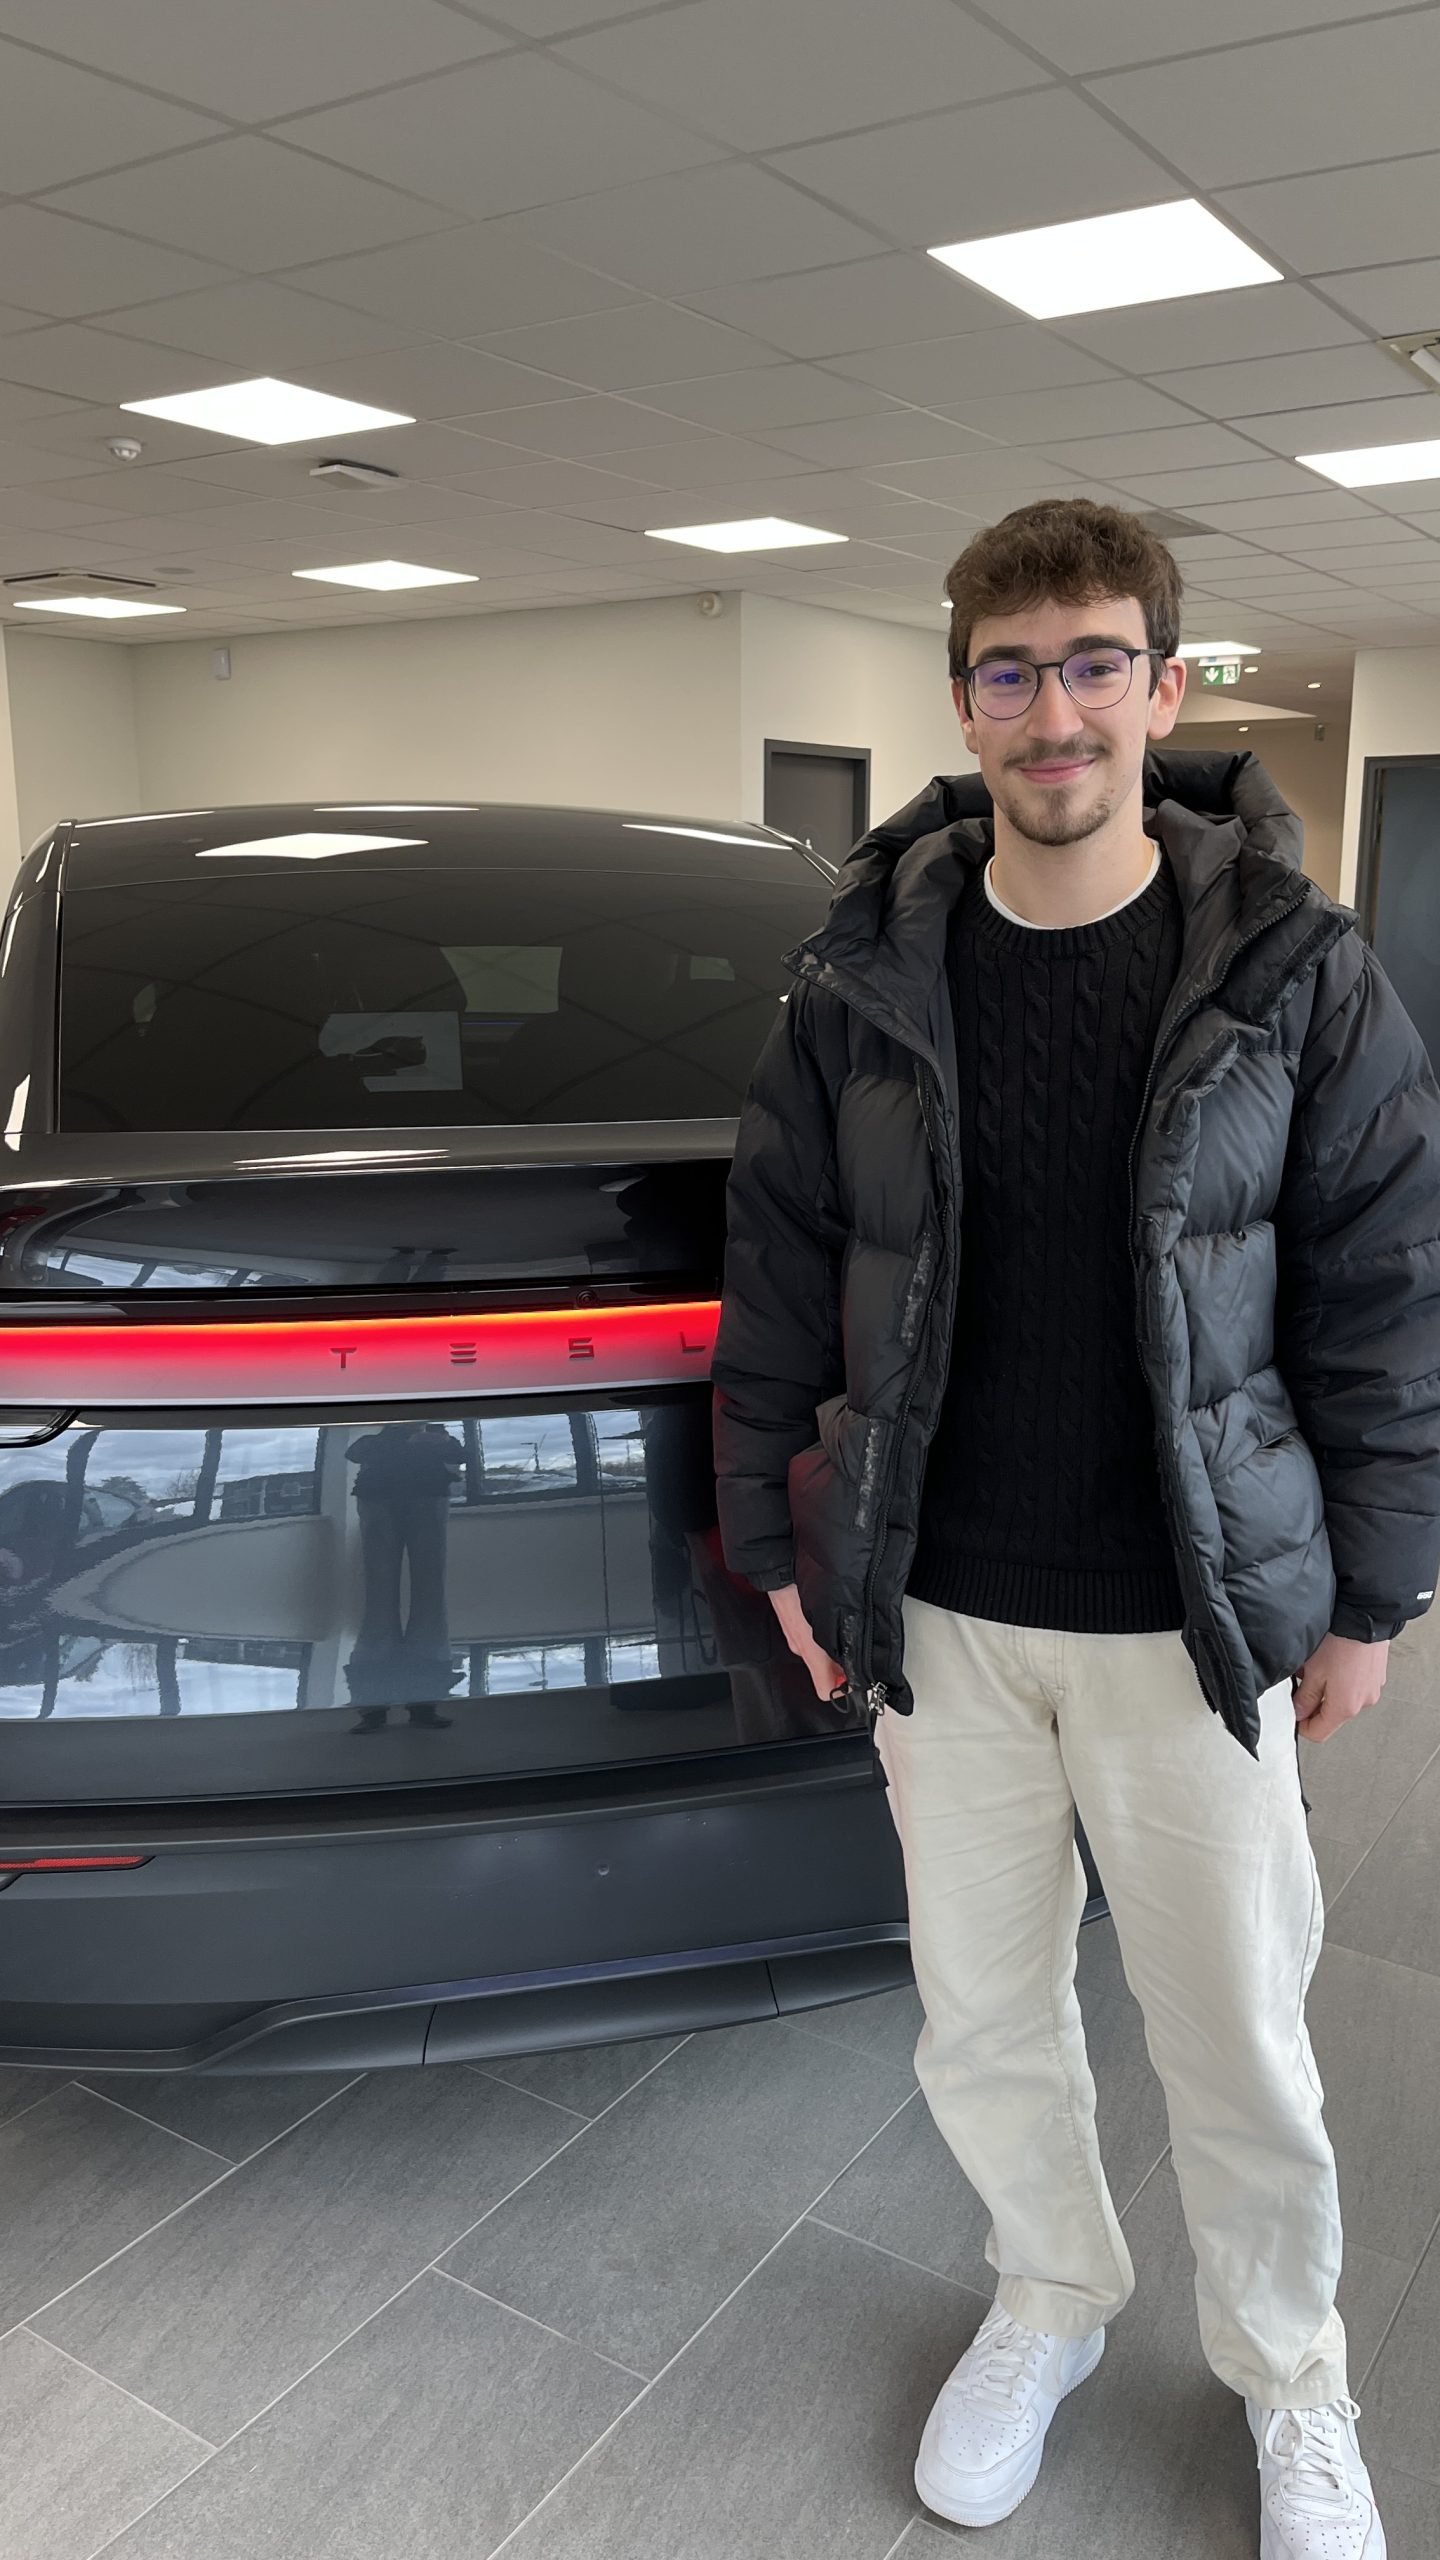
x=1038, y=668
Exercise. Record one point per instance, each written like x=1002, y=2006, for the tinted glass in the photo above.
x=386, y=999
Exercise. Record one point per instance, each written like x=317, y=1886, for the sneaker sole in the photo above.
x=984, y=2512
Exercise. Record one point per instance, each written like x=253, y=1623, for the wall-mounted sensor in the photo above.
x=220, y=665
x=711, y=605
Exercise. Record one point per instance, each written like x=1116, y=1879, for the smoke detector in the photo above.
x=125, y=448
x=368, y=475
x=1419, y=354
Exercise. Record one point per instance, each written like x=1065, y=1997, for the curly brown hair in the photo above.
x=1066, y=548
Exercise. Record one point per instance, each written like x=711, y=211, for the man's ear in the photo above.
x=958, y=695
x=1166, y=699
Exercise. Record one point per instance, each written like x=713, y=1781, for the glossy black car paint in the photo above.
x=436, y=1719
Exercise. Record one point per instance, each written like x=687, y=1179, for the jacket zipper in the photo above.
x=876, y=1694
x=1202, y=996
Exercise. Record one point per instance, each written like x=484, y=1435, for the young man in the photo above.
x=1078, y=1404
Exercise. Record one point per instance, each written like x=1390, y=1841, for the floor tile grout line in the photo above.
x=433, y=2267
x=37, y=2101
x=897, y=2257
x=515, y=2313
x=706, y=2323
x=1408, y=2288
x=140, y=2117
x=110, y=2384
x=37, y=2309
x=1374, y=1844
x=576, y=2114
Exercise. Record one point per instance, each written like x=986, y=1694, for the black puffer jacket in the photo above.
x=1285, y=1175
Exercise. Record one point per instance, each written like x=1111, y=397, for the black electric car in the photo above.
x=372, y=1686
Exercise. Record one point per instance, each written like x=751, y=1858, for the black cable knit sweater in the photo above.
x=1042, y=1501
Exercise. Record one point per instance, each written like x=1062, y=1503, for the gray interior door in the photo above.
x=820, y=794
x=1403, y=885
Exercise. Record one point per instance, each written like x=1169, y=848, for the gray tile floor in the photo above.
x=687, y=2299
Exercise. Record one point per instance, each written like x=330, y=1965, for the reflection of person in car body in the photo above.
x=402, y=1496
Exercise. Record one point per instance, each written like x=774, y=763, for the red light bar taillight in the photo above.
x=62, y=1866
x=312, y=1359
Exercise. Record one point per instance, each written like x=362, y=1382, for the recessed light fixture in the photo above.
x=1220, y=649
x=1314, y=685
x=1251, y=671
x=267, y=412
x=1244, y=729
x=747, y=533
x=389, y=573
x=102, y=608
x=1154, y=254
x=1371, y=466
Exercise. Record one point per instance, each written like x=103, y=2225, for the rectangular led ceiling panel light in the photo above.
x=267, y=412
x=1218, y=649
x=1155, y=254
x=390, y=573
x=104, y=608
x=753, y=533
x=1371, y=466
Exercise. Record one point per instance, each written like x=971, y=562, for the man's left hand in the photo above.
x=1341, y=1679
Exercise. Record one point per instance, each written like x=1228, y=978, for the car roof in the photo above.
x=180, y=844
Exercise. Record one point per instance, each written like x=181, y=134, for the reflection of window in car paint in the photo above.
x=511, y=1667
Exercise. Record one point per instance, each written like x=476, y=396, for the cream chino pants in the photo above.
x=1208, y=1870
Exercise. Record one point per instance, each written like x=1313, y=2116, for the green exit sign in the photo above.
x=1220, y=671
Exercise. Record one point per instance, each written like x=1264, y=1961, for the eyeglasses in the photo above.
x=1095, y=678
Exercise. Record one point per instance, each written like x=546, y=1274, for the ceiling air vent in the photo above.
x=1419, y=354
x=103, y=579
x=1169, y=527
x=370, y=475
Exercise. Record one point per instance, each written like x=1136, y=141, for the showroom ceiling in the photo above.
x=631, y=267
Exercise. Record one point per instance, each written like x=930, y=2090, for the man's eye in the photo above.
x=1101, y=666
x=1003, y=679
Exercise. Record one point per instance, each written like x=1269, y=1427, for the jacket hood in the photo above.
x=1233, y=844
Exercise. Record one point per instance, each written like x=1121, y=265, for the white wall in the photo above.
x=1308, y=772
x=835, y=679
x=10, y=845
x=72, y=719
x=1394, y=711
x=615, y=706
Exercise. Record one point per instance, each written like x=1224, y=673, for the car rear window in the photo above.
x=387, y=1000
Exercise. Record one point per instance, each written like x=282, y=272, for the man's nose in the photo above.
x=1047, y=700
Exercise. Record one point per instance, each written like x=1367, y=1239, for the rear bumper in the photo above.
x=365, y=1939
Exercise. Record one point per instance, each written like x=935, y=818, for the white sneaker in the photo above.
x=980, y=2452
x=1316, y=2502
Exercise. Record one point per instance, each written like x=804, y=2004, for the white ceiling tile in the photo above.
x=1349, y=423
x=703, y=462
x=906, y=435
x=1230, y=480
x=1081, y=409
x=20, y=400
x=462, y=283
x=34, y=466
x=256, y=326
x=989, y=484
x=437, y=380
x=1344, y=217
x=1271, y=515
x=46, y=510
x=1211, y=328
x=569, y=428
x=1324, y=377
x=130, y=491
x=1372, y=555
x=544, y=18
x=545, y=484
x=781, y=395
x=264, y=59
x=1394, y=301
x=870, y=302
x=939, y=178
x=69, y=268
x=1346, y=534
x=1405, y=498
x=982, y=364
x=1311, y=101
x=1106, y=33
x=497, y=136
x=251, y=202
x=59, y=122
x=644, y=342
x=94, y=365
x=726, y=224
x=759, y=73
x=1117, y=457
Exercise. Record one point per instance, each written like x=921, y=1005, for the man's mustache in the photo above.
x=1042, y=751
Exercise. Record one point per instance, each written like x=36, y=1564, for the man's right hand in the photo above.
x=827, y=1676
